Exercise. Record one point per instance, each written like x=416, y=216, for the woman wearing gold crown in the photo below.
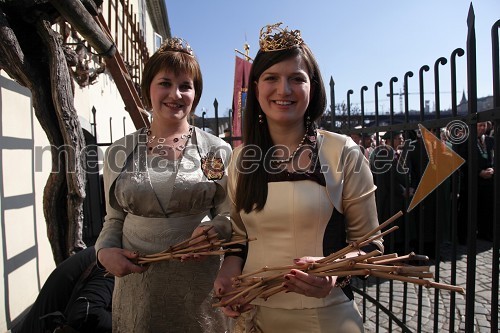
x=302, y=192
x=161, y=189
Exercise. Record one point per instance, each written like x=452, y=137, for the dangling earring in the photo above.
x=308, y=121
x=261, y=118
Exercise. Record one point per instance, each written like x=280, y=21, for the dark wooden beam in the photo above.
x=116, y=67
x=78, y=16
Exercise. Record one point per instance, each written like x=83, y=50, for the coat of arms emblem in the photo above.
x=213, y=167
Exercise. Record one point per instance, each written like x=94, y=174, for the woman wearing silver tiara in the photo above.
x=302, y=192
x=159, y=193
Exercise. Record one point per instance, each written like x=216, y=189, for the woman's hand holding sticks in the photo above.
x=249, y=286
x=200, y=244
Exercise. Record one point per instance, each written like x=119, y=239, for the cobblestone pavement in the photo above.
x=482, y=299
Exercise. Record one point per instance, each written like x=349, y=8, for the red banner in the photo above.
x=241, y=74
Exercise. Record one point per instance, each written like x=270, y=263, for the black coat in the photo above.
x=76, y=294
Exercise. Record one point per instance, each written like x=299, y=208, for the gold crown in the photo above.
x=176, y=44
x=274, y=38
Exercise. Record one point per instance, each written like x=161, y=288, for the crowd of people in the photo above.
x=301, y=192
x=398, y=180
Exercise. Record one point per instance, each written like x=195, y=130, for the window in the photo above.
x=142, y=16
x=158, y=41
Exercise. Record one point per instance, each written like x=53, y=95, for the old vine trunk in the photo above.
x=32, y=53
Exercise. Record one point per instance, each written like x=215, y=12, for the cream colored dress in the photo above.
x=158, y=204
x=292, y=224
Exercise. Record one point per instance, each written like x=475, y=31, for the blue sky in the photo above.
x=356, y=42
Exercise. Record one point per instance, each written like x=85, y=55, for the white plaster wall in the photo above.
x=24, y=227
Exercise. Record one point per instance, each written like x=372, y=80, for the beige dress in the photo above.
x=162, y=203
x=293, y=223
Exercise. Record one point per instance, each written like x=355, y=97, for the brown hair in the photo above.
x=251, y=187
x=177, y=62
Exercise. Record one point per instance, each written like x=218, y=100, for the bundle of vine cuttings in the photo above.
x=270, y=280
x=205, y=244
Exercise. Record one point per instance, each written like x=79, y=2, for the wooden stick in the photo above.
x=382, y=258
x=241, y=293
x=411, y=269
x=366, y=237
x=191, y=246
x=205, y=237
x=357, y=272
x=382, y=234
x=447, y=287
x=347, y=261
x=383, y=225
x=423, y=275
x=266, y=269
x=239, y=241
x=272, y=291
x=183, y=243
x=378, y=268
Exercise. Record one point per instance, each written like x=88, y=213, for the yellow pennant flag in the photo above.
x=443, y=161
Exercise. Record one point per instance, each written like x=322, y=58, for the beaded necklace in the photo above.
x=482, y=147
x=161, y=145
x=292, y=155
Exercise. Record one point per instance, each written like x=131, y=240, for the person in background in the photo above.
x=387, y=160
x=485, y=185
x=367, y=144
x=356, y=137
x=390, y=170
x=489, y=131
x=164, y=184
x=302, y=192
x=365, y=141
x=75, y=298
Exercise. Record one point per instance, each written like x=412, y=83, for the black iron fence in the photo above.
x=452, y=218
x=436, y=228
